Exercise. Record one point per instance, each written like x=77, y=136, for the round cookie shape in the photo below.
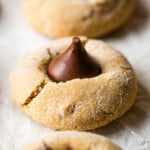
x=73, y=140
x=91, y=18
x=80, y=104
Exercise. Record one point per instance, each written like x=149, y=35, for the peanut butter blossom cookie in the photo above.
x=92, y=18
x=76, y=83
x=72, y=140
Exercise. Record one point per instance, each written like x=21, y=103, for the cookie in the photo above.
x=73, y=140
x=91, y=18
x=79, y=103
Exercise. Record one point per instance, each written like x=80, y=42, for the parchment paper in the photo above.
x=131, y=132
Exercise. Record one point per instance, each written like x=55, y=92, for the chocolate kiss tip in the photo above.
x=68, y=66
x=76, y=45
x=76, y=40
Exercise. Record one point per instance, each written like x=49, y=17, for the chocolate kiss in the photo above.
x=73, y=63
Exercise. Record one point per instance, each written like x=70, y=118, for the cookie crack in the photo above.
x=39, y=87
x=35, y=93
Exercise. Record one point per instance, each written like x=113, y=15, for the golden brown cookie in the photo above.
x=91, y=18
x=73, y=140
x=80, y=104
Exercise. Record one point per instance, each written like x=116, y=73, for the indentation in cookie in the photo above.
x=104, y=112
x=66, y=110
x=70, y=109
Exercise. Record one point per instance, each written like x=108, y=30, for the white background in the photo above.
x=131, y=132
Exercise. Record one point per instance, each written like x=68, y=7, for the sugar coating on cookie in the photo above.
x=91, y=18
x=80, y=104
x=73, y=140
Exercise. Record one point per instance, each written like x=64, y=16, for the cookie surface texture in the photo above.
x=91, y=18
x=80, y=104
x=72, y=140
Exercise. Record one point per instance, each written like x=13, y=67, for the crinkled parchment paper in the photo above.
x=131, y=132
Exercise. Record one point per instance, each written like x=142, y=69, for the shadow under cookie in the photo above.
x=135, y=120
